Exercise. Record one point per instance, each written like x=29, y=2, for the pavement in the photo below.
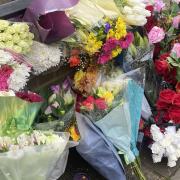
x=158, y=171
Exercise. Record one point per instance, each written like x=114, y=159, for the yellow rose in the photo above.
x=10, y=30
x=4, y=24
x=2, y=45
x=16, y=38
x=17, y=49
x=23, y=44
x=9, y=44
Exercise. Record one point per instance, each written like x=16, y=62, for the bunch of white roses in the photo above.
x=15, y=36
x=134, y=12
x=165, y=144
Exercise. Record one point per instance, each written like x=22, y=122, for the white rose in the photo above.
x=10, y=30
x=9, y=44
x=16, y=38
x=17, y=49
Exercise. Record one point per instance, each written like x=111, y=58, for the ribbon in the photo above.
x=50, y=19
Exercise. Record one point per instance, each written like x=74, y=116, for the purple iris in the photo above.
x=55, y=89
x=107, y=27
x=66, y=84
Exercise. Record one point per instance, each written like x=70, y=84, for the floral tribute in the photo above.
x=15, y=36
x=14, y=71
x=163, y=31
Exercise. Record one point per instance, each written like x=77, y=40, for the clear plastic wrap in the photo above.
x=36, y=162
x=119, y=120
x=15, y=36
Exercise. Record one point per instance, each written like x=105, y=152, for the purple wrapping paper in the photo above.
x=49, y=18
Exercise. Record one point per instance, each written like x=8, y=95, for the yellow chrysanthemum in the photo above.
x=92, y=45
x=116, y=52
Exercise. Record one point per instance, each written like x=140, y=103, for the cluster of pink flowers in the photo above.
x=90, y=103
x=176, y=49
x=111, y=44
x=5, y=72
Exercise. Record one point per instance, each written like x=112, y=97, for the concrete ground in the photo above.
x=152, y=171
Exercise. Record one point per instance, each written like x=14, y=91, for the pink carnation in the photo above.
x=5, y=72
x=125, y=42
x=104, y=58
x=156, y=35
x=176, y=21
x=176, y=49
x=158, y=5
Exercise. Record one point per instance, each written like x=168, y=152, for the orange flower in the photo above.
x=74, y=61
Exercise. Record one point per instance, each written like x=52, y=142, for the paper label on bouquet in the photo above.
x=148, y=56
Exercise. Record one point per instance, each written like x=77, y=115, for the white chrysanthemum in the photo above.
x=156, y=133
x=42, y=57
x=19, y=77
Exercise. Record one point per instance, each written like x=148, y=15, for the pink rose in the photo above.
x=156, y=35
x=176, y=49
x=176, y=21
x=158, y=5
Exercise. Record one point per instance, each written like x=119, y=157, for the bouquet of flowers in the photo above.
x=19, y=111
x=15, y=36
x=14, y=71
x=41, y=152
x=115, y=107
x=59, y=114
x=165, y=144
x=104, y=41
x=163, y=32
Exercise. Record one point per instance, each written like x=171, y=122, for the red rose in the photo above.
x=161, y=105
x=164, y=56
x=178, y=87
x=162, y=67
x=167, y=96
x=162, y=116
x=176, y=100
x=174, y=114
x=171, y=76
x=101, y=104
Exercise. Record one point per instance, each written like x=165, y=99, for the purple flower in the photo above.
x=55, y=89
x=107, y=27
x=125, y=42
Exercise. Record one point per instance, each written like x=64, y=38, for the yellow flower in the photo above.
x=110, y=33
x=79, y=75
x=107, y=95
x=92, y=44
x=75, y=136
x=4, y=24
x=116, y=51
